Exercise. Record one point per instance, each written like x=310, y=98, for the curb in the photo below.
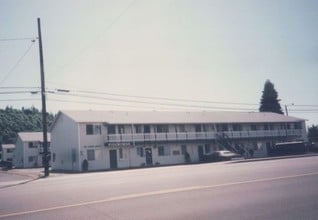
x=275, y=158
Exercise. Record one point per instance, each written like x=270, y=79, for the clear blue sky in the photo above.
x=217, y=51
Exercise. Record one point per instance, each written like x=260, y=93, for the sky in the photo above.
x=186, y=55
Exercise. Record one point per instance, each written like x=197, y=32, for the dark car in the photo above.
x=6, y=165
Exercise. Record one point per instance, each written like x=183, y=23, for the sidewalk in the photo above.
x=32, y=173
x=29, y=173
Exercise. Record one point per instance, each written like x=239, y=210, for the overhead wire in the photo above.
x=161, y=98
x=17, y=39
x=153, y=103
x=17, y=63
x=19, y=87
x=85, y=48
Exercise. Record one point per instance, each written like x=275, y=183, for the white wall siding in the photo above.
x=18, y=154
x=64, y=145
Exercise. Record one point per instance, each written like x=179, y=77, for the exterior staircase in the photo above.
x=224, y=141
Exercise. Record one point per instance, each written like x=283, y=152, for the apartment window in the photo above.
x=198, y=128
x=297, y=125
x=162, y=128
x=163, y=151
x=32, y=145
x=111, y=129
x=9, y=150
x=140, y=151
x=182, y=128
x=266, y=127
x=282, y=126
x=253, y=127
x=225, y=127
x=93, y=129
x=222, y=127
x=32, y=158
x=90, y=154
x=53, y=157
x=89, y=129
x=121, y=129
x=138, y=128
x=146, y=128
x=183, y=149
x=175, y=152
x=237, y=127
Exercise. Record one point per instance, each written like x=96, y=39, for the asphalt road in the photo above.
x=275, y=189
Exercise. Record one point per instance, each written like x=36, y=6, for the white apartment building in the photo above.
x=28, y=150
x=100, y=140
x=7, y=152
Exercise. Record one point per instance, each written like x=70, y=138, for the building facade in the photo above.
x=28, y=150
x=7, y=152
x=100, y=140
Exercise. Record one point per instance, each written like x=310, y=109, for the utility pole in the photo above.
x=46, y=154
x=286, y=109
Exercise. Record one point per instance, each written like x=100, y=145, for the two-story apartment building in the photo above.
x=7, y=152
x=28, y=150
x=98, y=140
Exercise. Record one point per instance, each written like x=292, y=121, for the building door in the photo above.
x=200, y=152
x=148, y=156
x=113, y=159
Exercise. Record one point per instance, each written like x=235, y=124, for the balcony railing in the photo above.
x=210, y=135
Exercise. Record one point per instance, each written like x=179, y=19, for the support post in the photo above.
x=46, y=154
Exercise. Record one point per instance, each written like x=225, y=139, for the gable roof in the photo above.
x=165, y=117
x=33, y=136
x=8, y=146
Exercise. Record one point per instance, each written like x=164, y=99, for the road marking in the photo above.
x=154, y=193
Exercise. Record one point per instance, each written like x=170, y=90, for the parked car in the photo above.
x=222, y=155
x=6, y=165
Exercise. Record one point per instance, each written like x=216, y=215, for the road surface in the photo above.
x=275, y=189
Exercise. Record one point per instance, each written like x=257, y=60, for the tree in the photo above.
x=13, y=121
x=269, y=101
x=313, y=133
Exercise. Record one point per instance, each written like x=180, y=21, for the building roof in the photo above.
x=165, y=117
x=33, y=136
x=8, y=146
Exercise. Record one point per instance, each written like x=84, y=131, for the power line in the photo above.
x=154, y=103
x=304, y=106
x=19, y=100
x=96, y=103
x=114, y=21
x=153, y=97
x=17, y=63
x=19, y=87
x=17, y=39
x=19, y=92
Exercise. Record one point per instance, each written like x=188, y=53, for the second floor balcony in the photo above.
x=193, y=136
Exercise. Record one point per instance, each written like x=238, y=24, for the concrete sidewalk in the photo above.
x=36, y=173
x=32, y=173
x=29, y=173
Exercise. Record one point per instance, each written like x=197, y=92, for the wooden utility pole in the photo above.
x=46, y=154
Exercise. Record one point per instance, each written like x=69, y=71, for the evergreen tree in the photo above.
x=13, y=121
x=269, y=101
x=313, y=133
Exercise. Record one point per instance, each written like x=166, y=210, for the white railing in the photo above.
x=182, y=136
